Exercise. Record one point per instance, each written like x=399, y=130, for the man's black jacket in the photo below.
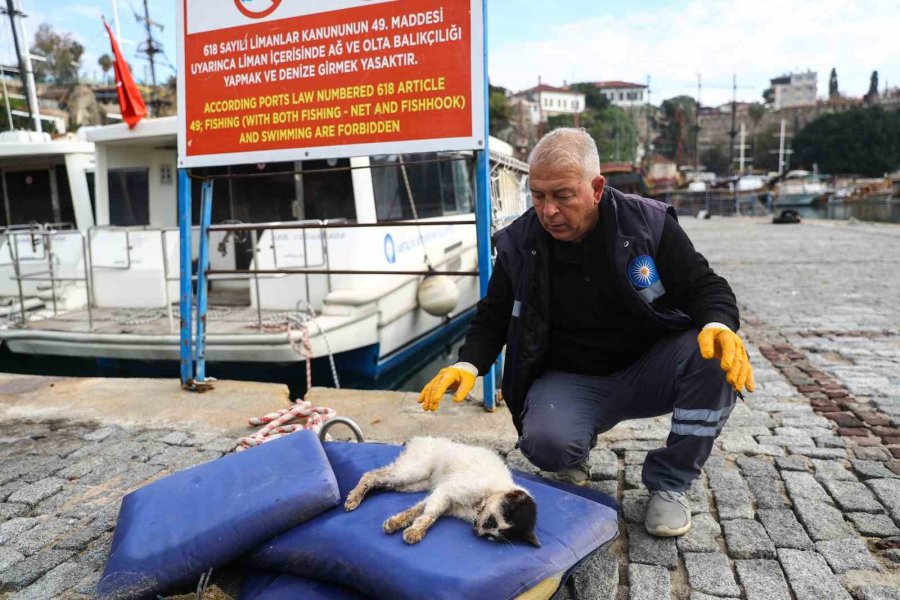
x=515, y=311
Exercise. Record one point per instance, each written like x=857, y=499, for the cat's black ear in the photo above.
x=531, y=538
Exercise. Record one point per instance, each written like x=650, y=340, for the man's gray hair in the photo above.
x=567, y=147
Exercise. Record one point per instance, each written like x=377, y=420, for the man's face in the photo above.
x=565, y=201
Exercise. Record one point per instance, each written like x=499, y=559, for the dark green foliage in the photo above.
x=715, y=159
x=593, y=98
x=862, y=141
x=62, y=52
x=677, y=133
x=757, y=111
x=612, y=130
x=833, y=84
x=765, y=148
x=499, y=109
x=871, y=96
x=106, y=64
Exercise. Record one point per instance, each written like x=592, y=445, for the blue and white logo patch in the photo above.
x=642, y=272
x=644, y=277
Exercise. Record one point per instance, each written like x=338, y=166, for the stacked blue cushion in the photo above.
x=451, y=562
x=174, y=530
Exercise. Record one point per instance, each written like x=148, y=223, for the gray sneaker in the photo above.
x=668, y=514
x=580, y=474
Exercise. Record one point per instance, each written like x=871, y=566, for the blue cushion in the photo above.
x=451, y=562
x=260, y=585
x=175, y=529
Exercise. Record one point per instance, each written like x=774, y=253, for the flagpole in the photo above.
x=115, y=7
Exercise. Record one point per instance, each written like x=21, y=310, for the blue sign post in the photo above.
x=483, y=213
x=187, y=295
x=202, y=283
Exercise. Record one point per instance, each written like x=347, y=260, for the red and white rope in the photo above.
x=277, y=424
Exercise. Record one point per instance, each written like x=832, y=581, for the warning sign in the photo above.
x=268, y=80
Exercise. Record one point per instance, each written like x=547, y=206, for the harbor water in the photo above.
x=884, y=211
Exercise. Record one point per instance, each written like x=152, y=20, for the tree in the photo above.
x=765, y=148
x=872, y=96
x=106, y=63
x=757, y=111
x=593, y=98
x=715, y=159
x=864, y=141
x=62, y=54
x=677, y=133
x=499, y=109
x=833, y=84
x=612, y=129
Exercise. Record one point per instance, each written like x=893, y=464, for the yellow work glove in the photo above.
x=728, y=347
x=447, y=380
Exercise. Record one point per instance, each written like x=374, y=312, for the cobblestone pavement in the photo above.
x=800, y=500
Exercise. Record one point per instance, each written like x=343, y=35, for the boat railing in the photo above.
x=97, y=258
x=52, y=273
x=93, y=232
x=322, y=268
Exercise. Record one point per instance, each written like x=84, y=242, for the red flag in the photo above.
x=130, y=101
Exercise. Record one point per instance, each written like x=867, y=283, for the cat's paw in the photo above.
x=352, y=501
x=393, y=524
x=413, y=535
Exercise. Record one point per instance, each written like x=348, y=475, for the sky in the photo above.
x=670, y=41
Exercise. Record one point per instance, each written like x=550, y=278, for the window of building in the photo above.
x=129, y=197
x=620, y=95
x=438, y=188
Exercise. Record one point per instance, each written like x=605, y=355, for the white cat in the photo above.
x=466, y=482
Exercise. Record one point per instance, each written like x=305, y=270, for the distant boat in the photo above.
x=878, y=189
x=799, y=188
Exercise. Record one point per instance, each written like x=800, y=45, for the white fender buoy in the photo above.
x=438, y=295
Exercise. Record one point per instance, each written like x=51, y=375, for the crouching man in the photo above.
x=608, y=313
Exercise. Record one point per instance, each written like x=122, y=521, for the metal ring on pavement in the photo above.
x=348, y=422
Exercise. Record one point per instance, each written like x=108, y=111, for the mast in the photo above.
x=781, y=150
x=647, y=124
x=150, y=49
x=25, y=69
x=733, y=131
x=697, y=128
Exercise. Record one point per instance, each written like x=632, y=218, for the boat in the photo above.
x=799, y=188
x=872, y=190
x=625, y=177
x=329, y=218
x=47, y=185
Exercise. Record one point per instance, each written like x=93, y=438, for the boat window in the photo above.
x=257, y=193
x=266, y=196
x=129, y=197
x=29, y=197
x=439, y=187
x=66, y=209
x=328, y=194
x=92, y=193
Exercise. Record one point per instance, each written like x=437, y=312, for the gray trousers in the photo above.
x=565, y=412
